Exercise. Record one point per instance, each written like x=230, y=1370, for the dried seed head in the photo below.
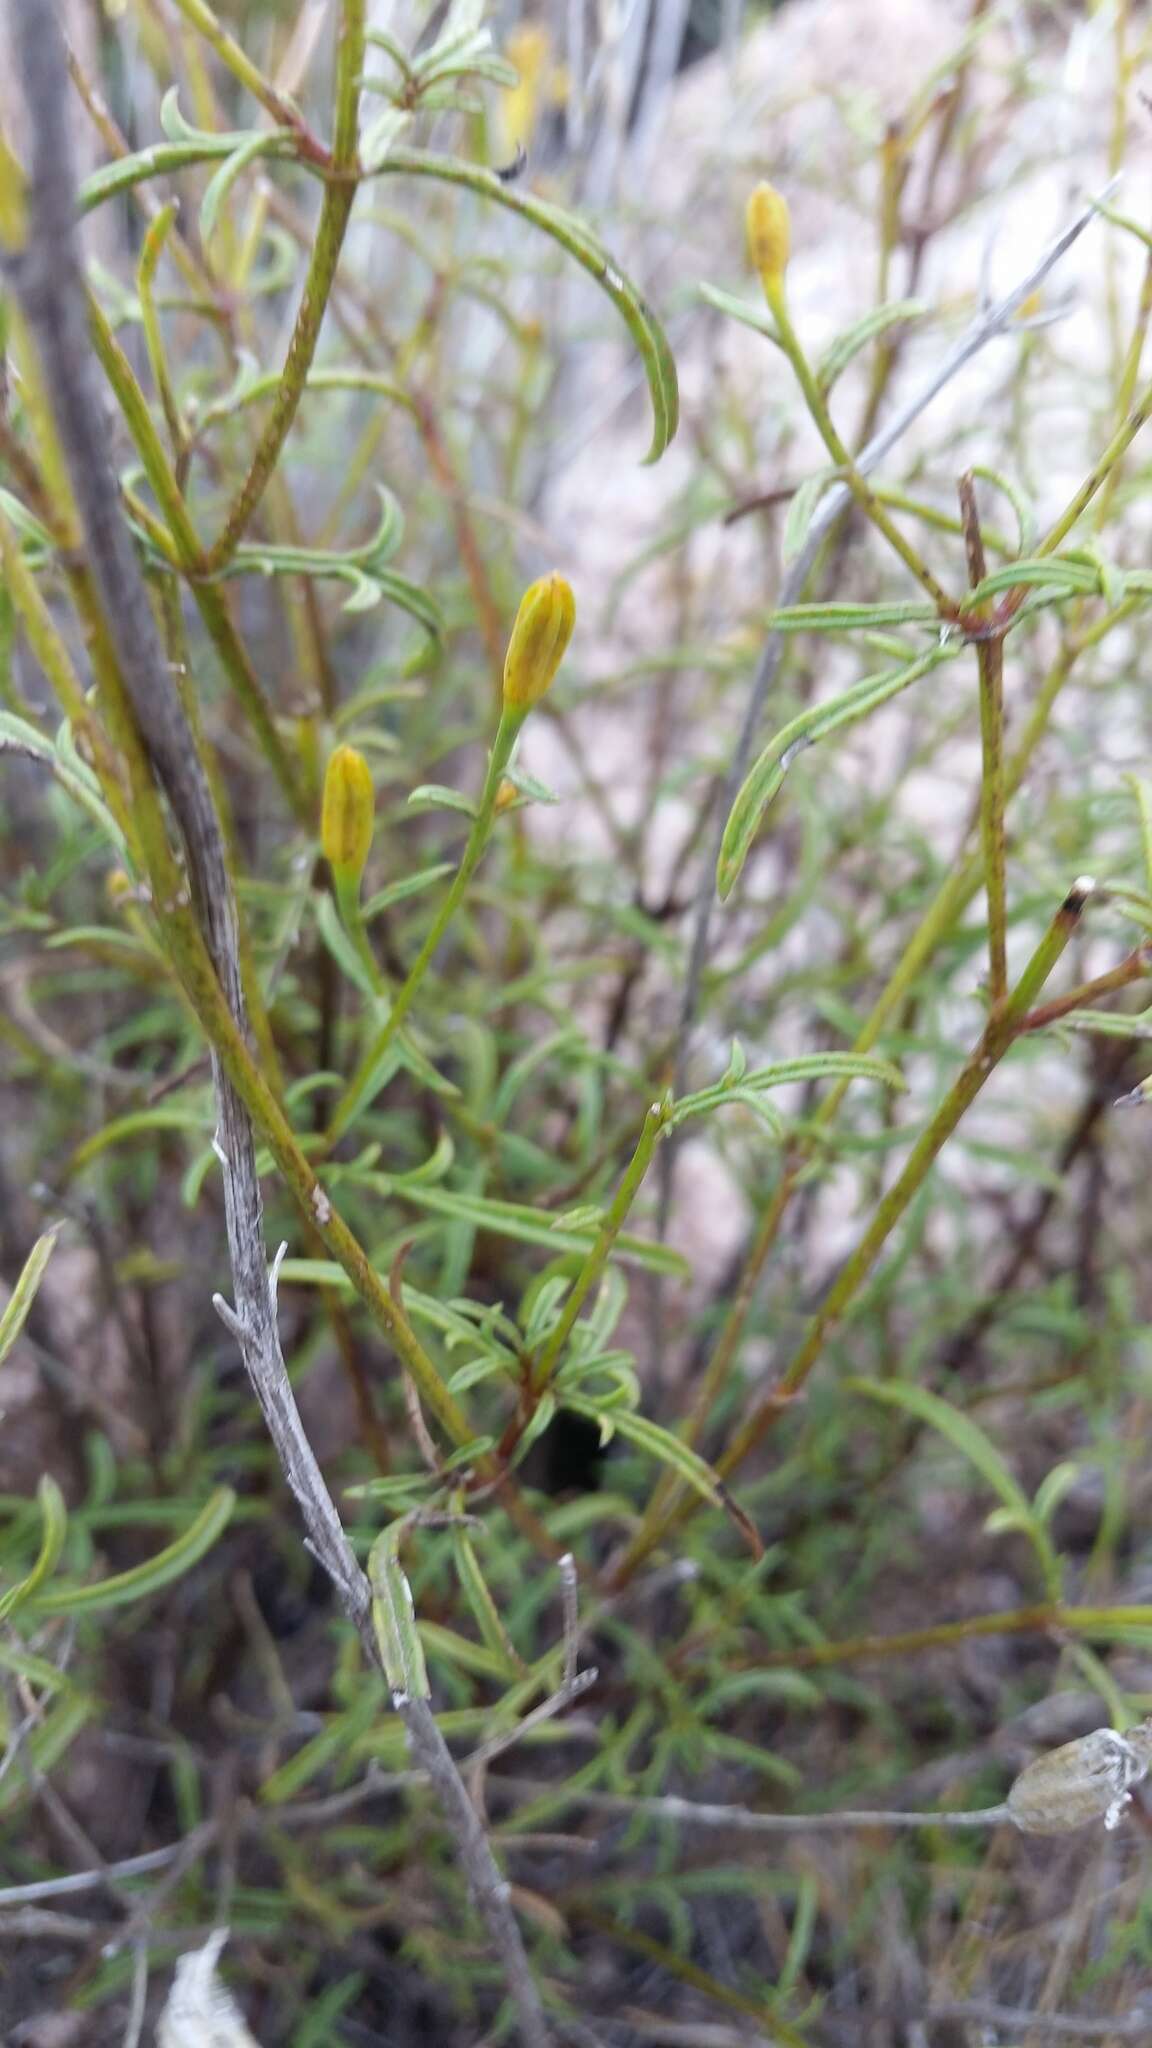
x=769, y=236
x=1082, y=1781
x=539, y=639
x=348, y=815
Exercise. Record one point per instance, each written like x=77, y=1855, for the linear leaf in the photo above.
x=838, y=356
x=648, y=1436
x=24, y=1293
x=960, y=1430
x=975, y=1445
x=589, y=253
x=54, y=1516
x=746, y=311
x=145, y=1579
x=766, y=776
x=221, y=182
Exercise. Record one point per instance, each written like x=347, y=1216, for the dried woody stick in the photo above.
x=47, y=277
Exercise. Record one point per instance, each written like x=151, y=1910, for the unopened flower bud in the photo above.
x=769, y=236
x=540, y=636
x=1082, y=1781
x=506, y=796
x=348, y=815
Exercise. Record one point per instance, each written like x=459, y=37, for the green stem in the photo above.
x=1002, y=1028
x=155, y=237
x=1128, y=379
x=993, y=1044
x=242, y=68
x=185, y=547
x=335, y=210
x=990, y=664
x=939, y=919
x=187, y=951
x=349, y=68
x=352, y=1098
x=1108, y=1623
x=841, y=455
x=1117, y=448
x=655, y=1124
x=347, y=893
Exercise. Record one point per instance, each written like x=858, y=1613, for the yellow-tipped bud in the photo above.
x=540, y=636
x=13, y=212
x=506, y=796
x=769, y=236
x=349, y=814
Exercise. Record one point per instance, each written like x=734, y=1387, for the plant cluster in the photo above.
x=422, y=1556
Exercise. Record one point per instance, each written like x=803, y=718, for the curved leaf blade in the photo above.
x=24, y=1293
x=766, y=776
x=589, y=253
x=148, y=1578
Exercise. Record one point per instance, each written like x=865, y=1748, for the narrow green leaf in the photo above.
x=850, y=618
x=749, y=312
x=259, y=143
x=484, y=1609
x=394, y=1618
x=161, y=159
x=804, y=502
x=975, y=1445
x=54, y=1516
x=24, y=1293
x=766, y=776
x=1055, y=572
x=145, y=1579
x=341, y=946
x=170, y=1118
x=399, y=892
x=1021, y=505
x=533, y=1226
x=648, y=1436
x=52, y=1737
x=835, y=360
x=436, y=796
x=960, y=1430
x=589, y=253
x=38, y=1671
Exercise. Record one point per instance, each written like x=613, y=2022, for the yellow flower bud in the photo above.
x=540, y=636
x=769, y=236
x=506, y=796
x=13, y=214
x=348, y=814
